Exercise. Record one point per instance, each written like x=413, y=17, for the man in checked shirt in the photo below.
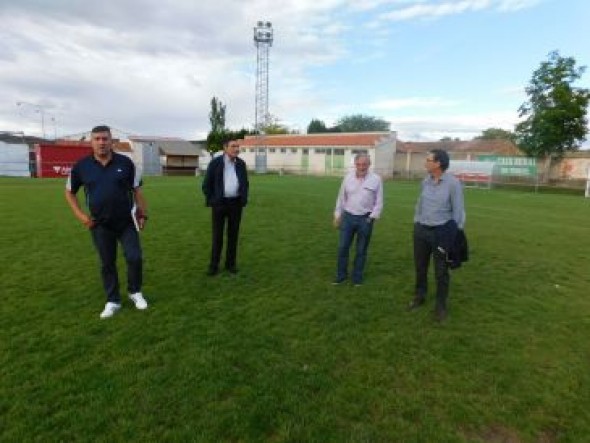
x=358, y=205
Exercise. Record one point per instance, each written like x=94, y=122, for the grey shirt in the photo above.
x=440, y=202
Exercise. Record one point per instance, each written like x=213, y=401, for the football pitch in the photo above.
x=277, y=353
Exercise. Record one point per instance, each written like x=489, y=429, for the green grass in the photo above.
x=279, y=354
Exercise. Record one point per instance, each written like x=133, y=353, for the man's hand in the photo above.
x=141, y=220
x=337, y=221
x=88, y=222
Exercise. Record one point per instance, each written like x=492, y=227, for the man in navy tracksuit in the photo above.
x=112, y=187
x=226, y=191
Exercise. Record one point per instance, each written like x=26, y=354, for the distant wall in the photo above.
x=14, y=160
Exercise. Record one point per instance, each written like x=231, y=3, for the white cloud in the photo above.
x=464, y=126
x=412, y=102
x=516, y=5
x=433, y=9
x=151, y=67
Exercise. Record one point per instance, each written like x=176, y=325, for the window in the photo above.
x=283, y=150
x=306, y=151
x=293, y=151
x=252, y=150
x=272, y=150
x=339, y=151
x=320, y=151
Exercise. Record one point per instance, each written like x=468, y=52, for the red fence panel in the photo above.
x=54, y=160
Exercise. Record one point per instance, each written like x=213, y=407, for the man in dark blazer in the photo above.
x=226, y=191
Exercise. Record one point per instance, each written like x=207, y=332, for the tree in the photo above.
x=555, y=113
x=362, y=123
x=495, y=134
x=217, y=115
x=217, y=136
x=274, y=127
x=215, y=140
x=316, y=127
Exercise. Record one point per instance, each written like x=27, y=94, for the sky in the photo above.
x=432, y=68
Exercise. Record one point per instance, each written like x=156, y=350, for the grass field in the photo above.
x=279, y=354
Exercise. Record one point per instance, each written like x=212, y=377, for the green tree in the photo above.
x=215, y=140
x=362, y=123
x=316, y=127
x=217, y=115
x=274, y=127
x=555, y=113
x=217, y=136
x=494, y=134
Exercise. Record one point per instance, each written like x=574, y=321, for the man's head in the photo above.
x=437, y=160
x=361, y=164
x=101, y=140
x=231, y=149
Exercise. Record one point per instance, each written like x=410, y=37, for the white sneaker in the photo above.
x=110, y=309
x=139, y=301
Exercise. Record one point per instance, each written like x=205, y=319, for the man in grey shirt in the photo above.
x=440, y=212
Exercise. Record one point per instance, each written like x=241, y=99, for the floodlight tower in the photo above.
x=263, y=36
x=40, y=109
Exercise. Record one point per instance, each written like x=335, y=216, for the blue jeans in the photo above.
x=349, y=226
x=105, y=240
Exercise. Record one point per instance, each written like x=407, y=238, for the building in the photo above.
x=410, y=156
x=165, y=155
x=320, y=154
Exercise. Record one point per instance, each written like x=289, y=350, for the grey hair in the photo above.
x=362, y=155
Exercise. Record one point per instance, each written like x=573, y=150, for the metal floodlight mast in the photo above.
x=37, y=108
x=263, y=37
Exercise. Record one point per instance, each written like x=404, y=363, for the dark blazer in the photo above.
x=213, y=186
x=452, y=241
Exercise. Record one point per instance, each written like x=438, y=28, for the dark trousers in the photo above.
x=105, y=240
x=425, y=246
x=230, y=210
x=351, y=225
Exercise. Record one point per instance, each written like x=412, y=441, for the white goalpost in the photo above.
x=587, y=194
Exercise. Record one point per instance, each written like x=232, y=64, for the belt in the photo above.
x=427, y=227
x=366, y=214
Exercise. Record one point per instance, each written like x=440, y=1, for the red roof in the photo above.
x=495, y=146
x=368, y=139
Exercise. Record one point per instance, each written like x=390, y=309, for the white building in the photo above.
x=165, y=155
x=320, y=154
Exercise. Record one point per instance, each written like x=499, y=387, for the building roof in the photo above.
x=17, y=138
x=352, y=139
x=118, y=146
x=170, y=145
x=495, y=146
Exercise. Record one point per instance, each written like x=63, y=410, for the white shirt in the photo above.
x=360, y=196
x=230, y=178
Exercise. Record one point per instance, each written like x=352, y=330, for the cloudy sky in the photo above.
x=433, y=68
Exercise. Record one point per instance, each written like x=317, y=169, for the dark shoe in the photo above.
x=416, y=303
x=440, y=314
x=232, y=269
x=212, y=271
x=339, y=281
